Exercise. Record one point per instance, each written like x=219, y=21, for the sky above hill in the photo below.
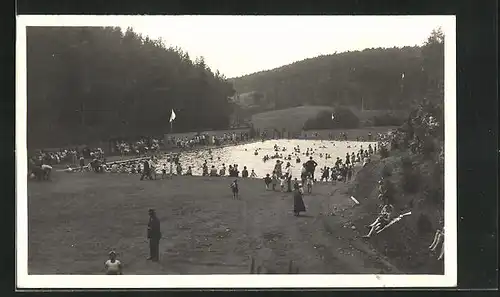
x=240, y=45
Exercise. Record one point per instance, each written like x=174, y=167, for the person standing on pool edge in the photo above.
x=154, y=235
x=146, y=170
x=311, y=166
x=288, y=175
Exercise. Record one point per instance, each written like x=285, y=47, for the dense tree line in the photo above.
x=372, y=78
x=94, y=83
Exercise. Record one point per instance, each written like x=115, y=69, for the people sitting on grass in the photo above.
x=68, y=169
x=382, y=220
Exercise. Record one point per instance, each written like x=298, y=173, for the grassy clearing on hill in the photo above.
x=76, y=219
x=293, y=119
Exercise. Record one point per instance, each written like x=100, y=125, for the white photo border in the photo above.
x=25, y=281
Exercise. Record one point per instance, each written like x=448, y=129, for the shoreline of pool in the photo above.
x=176, y=150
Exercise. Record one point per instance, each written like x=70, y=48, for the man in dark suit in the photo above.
x=154, y=235
x=311, y=166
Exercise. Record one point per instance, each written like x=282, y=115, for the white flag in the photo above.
x=172, y=116
x=402, y=76
x=332, y=116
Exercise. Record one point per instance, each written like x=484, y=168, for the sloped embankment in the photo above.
x=405, y=244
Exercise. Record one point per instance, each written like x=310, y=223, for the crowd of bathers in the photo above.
x=139, y=147
x=206, y=139
x=342, y=169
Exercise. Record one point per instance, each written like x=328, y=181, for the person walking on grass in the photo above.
x=154, y=236
x=311, y=166
x=113, y=266
x=382, y=220
x=268, y=181
x=289, y=176
x=234, y=189
x=146, y=170
x=298, y=202
x=309, y=184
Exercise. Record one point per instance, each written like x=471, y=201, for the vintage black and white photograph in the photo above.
x=204, y=150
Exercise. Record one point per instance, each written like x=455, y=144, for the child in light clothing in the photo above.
x=309, y=183
x=282, y=183
x=113, y=266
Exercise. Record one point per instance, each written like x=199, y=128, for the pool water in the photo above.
x=243, y=155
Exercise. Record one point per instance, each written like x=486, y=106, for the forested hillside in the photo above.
x=94, y=83
x=381, y=78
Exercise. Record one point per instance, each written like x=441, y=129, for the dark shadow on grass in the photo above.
x=306, y=216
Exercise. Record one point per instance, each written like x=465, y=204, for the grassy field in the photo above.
x=292, y=119
x=75, y=219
